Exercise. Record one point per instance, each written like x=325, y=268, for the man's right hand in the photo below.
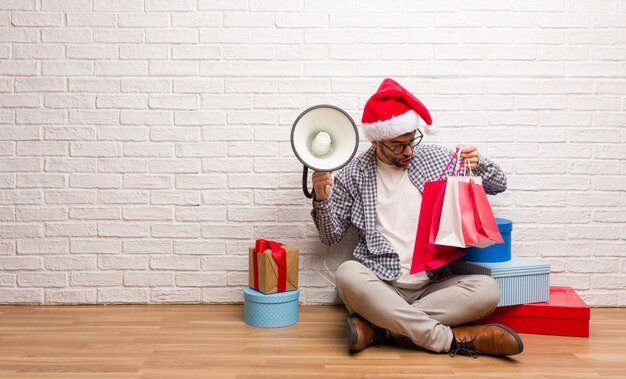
x=321, y=179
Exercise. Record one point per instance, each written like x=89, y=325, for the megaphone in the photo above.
x=323, y=138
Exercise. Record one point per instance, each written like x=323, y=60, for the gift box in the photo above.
x=270, y=311
x=500, y=252
x=273, y=267
x=564, y=314
x=521, y=280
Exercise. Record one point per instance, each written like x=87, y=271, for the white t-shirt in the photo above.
x=397, y=209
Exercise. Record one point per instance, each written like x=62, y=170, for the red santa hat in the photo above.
x=391, y=112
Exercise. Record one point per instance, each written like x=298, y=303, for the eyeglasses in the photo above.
x=397, y=149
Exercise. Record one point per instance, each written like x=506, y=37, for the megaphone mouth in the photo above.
x=324, y=138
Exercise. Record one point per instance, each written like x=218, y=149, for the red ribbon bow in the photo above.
x=280, y=256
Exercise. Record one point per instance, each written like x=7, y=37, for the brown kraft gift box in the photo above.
x=268, y=269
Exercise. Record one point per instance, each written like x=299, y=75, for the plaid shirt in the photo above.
x=353, y=203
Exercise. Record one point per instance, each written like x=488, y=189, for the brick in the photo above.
x=18, y=35
x=223, y=5
x=122, y=101
x=147, y=247
x=122, y=296
x=226, y=197
x=19, y=101
x=199, y=182
x=123, y=165
x=192, y=296
x=37, y=19
x=108, y=133
x=201, y=150
x=67, y=68
x=118, y=5
x=93, y=117
x=70, y=197
x=67, y=35
x=147, y=181
x=172, y=35
x=95, y=213
x=184, y=165
x=94, y=85
x=145, y=118
x=48, y=246
x=192, y=279
x=122, y=263
x=199, y=248
x=141, y=20
x=21, y=197
x=91, y=52
x=23, y=133
x=95, y=149
x=20, y=296
x=91, y=19
x=121, y=68
x=175, y=230
x=178, y=263
x=148, y=150
x=199, y=118
x=174, y=68
x=125, y=229
x=40, y=85
x=228, y=133
x=70, y=297
x=148, y=279
x=198, y=214
x=95, y=181
x=39, y=51
x=70, y=101
x=119, y=36
x=70, y=165
x=40, y=214
x=41, y=279
x=144, y=52
x=20, y=165
x=123, y=197
x=150, y=213
x=179, y=102
x=66, y=5
x=70, y=229
x=96, y=279
x=149, y=85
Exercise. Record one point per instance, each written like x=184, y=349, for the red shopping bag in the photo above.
x=427, y=255
x=485, y=221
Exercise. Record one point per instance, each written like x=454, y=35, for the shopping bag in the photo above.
x=484, y=219
x=427, y=255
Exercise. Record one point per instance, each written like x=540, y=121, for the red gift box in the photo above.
x=565, y=314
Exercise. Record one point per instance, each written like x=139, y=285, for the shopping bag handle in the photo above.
x=456, y=157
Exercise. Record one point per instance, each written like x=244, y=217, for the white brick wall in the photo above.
x=144, y=144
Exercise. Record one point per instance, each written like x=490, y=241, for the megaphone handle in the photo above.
x=305, y=184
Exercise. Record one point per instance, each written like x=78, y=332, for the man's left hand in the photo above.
x=470, y=152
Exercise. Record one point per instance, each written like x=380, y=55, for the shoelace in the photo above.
x=465, y=347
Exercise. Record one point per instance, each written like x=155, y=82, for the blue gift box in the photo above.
x=521, y=280
x=273, y=310
x=500, y=252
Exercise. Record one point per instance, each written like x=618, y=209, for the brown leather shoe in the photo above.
x=361, y=333
x=489, y=339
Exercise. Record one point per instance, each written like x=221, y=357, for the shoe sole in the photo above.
x=351, y=334
x=513, y=332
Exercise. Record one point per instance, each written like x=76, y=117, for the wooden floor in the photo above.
x=212, y=341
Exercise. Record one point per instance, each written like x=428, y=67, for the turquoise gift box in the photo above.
x=273, y=310
x=521, y=280
x=500, y=252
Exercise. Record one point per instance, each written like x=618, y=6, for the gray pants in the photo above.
x=424, y=315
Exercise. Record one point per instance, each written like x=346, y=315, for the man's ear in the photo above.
x=375, y=144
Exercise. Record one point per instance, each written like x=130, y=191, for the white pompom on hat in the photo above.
x=393, y=111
